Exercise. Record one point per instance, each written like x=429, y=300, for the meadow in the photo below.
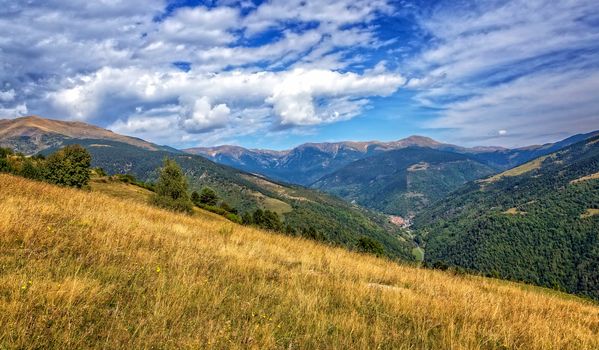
x=81, y=269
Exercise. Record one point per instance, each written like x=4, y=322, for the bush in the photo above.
x=5, y=166
x=68, y=167
x=311, y=233
x=195, y=197
x=100, y=172
x=30, y=170
x=171, y=188
x=5, y=152
x=371, y=246
x=208, y=197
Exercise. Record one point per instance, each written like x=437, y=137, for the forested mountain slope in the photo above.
x=404, y=181
x=537, y=223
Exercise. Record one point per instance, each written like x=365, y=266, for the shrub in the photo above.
x=267, y=219
x=30, y=170
x=195, y=197
x=208, y=197
x=100, y=172
x=228, y=208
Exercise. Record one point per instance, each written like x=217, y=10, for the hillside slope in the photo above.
x=402, y=182
x=86, y=270
x=537, y=222
x=337, y=221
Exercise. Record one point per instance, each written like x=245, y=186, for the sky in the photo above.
x=274, y=74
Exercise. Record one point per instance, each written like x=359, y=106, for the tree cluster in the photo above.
x=69, y=166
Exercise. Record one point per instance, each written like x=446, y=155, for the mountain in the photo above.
x=403, y=181
x=508, y=158
x=337, y=221
x=33, y=134
x=84, y=270
x=306, y=163
x=536, y=223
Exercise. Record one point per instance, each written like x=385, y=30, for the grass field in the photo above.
x=89, y=270
x=519, y=170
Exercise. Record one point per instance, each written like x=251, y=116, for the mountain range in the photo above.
x=379, y=175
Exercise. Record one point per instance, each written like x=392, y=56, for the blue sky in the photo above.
x=274, y=74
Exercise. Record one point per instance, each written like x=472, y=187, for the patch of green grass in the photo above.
x=418, y=253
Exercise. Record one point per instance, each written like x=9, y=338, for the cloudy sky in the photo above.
x=275, y=74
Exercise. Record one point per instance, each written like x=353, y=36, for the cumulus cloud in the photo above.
x=198, y=115
x=205, y=101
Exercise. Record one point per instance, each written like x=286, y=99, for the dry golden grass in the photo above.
x=514, y=211
x=589, y=213
x=519, y=170
x=87, y=270
x=586, y=178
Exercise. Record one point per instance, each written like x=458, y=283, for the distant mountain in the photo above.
x=339, y=222
x=308, y=163
x=508, y=158
x=537, y=223
x=33, y=134
x=403, y=181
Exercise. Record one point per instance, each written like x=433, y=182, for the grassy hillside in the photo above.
x=404, y=181
x=339, y=222
x=89, y=270
x=534, y=223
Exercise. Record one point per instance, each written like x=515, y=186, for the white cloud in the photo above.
x=13, y=112
x=199, y=26
x=198, y=115
x=524, y=66
x=205, y=102
x=110, y=63
x=7, y=96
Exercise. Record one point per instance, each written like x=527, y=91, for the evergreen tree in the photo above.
x=171, y=188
